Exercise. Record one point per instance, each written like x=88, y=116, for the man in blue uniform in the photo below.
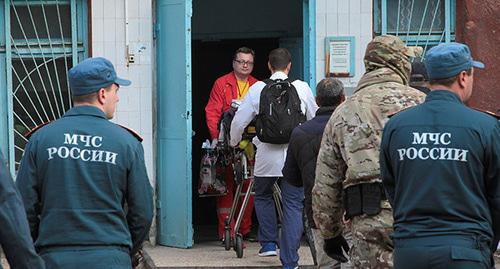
x=83, y=179
x=15, y=238
x=440, y=164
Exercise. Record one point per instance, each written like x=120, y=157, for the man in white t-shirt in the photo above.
x=270, y=158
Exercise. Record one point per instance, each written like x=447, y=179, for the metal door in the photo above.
x=174, y=131
x=295, y=46
x=41, y=41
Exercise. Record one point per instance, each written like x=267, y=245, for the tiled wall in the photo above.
x=109, y=39
x=343, y=18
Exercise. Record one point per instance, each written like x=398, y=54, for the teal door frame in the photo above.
x=174, y=130
x=173, y=108
x=309, y=32
x=6, y=124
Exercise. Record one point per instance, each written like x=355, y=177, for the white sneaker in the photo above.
x=268, y=253
x=267, y=250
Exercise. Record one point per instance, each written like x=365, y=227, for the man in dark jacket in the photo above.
x=299, y=171
x=15, y=236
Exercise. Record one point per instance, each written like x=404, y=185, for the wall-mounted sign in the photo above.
x=340, y=52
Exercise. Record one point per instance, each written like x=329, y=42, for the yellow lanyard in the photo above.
x=242, y=88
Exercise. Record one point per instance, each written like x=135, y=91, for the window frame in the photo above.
x=76, y=46
x=380, y=25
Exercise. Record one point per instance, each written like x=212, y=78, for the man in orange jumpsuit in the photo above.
x=232, y=86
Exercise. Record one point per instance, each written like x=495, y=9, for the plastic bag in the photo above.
x=212, y=171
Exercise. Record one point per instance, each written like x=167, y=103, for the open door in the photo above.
x=295, y=46
x=309, y=33
x=174, y=130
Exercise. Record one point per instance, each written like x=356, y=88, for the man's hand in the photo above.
x=333, y=248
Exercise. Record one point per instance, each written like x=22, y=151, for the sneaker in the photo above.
x=268, y=249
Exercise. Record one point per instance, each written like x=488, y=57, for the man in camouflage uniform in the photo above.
x=347, y=172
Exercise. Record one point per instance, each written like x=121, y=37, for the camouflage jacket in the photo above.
x=349, y=153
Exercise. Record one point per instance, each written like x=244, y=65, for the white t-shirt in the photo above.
x=270, y=158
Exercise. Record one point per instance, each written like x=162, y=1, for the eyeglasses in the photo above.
x=241, y=62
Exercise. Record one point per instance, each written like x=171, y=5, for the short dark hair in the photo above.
x=88, y=98
x=244, y=50
x=279, y=58
x=329, y=92
x=418, y=71
x=448, y=81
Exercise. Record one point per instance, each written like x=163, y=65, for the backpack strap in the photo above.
x=268, y=81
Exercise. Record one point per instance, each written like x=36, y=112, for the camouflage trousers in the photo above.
x=372, y=247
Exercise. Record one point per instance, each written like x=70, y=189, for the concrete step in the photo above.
x=213, y=255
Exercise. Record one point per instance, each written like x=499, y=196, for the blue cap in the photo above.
x=448, y=60
x=92, y=74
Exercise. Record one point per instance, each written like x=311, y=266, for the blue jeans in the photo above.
x=266, y=209
x=292, y=227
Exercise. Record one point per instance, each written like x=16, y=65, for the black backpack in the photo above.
x=279, y=112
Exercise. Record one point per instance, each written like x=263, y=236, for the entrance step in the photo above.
x=213, y=255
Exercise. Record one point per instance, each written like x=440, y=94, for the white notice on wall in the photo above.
x=340, y=58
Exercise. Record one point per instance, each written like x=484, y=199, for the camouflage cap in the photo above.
x=391, y=52
x=386, y=46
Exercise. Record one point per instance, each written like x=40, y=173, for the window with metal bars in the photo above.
x=41, y=41
x=424, y=23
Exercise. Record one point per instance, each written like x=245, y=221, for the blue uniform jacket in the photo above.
x=440, y=165
x=15, y=238
x=77, y=177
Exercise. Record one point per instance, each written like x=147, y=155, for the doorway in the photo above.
x=215, y=40
x=195, y=40
x=210, y=61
